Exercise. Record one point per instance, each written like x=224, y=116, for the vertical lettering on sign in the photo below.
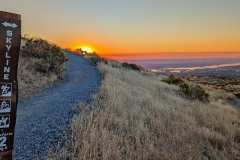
x=10, y=38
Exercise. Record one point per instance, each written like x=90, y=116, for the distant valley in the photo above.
x=216, y=73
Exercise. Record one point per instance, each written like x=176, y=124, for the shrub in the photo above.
x=190, y=91
x=41, y=66
x=105, y=61
x=50, y=57
x=194, y=92
x=238, y=95
x=173, y=80
x=131, y=66
x=94, y=60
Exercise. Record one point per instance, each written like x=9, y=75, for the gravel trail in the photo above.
x=43, y=119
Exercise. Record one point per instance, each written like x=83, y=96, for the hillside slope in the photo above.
x=136, y=116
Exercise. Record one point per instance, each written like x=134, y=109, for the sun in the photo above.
x=87, y=49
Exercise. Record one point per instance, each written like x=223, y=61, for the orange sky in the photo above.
x=133, y=29
x=172, y=55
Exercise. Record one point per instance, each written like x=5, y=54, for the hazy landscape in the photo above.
x=218, y=73
x=220, y=67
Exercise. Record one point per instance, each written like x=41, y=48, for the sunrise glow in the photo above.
x=87, y=49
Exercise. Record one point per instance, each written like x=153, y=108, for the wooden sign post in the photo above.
x=10, y=39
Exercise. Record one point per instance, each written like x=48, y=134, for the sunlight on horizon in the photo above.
x=87, y=49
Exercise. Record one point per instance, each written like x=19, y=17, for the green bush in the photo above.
x=190, y=91
x=131, y=66
x=94, y=60
x=41, y=66
x=238, y=95
x=105, y=61
x=194, y=92
x=173, y=80
x=50, y=57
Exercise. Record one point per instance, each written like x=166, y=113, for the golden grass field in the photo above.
x=136, y=116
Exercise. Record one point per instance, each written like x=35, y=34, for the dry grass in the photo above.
x=30, y=80
x=136, y=116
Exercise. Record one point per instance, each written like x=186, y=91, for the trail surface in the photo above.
x=42, y=120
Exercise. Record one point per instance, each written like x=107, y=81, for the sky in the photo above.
x=135, y=28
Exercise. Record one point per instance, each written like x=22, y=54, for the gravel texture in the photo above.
x=44, y=119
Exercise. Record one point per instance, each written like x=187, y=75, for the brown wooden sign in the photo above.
x=10, y=39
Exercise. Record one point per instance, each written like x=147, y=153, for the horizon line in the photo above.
x=135, y=53
x=132, y=60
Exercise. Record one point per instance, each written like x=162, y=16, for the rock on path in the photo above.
x=42, y=120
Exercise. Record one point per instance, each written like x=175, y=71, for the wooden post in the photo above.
x=10, y=39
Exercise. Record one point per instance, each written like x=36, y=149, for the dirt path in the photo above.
x=42, y=120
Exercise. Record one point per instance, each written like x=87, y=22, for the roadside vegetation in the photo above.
x=132, y=66
x=135, y=115
x=40, y=64
x=188, y=90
